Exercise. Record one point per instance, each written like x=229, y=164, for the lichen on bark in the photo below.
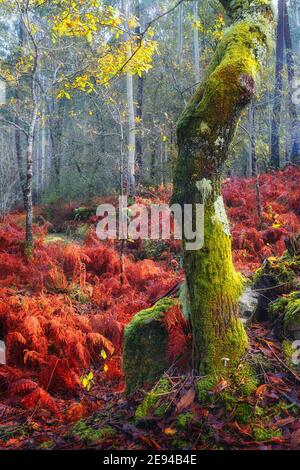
x=205, y=131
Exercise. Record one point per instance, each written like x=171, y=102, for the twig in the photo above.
x=278, y=359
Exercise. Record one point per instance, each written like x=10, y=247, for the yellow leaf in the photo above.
x=84, y=382
x=105, y=368
x=103, y=354
x=170, y=431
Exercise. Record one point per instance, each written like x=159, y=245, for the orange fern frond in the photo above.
x=7, y=411
x=32, y=326
x=33, y=357
x=40, y=398
x=22, y=386
x=96, y=339
x=15, y=337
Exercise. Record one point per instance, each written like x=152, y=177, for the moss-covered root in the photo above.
x=156, y=403
x=145, y=346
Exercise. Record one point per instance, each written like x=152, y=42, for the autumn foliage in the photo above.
x=62, y=307
x=63, y=310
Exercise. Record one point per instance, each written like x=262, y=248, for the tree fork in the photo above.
x=205, y=132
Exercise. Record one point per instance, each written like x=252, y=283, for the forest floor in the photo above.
x=62, y=315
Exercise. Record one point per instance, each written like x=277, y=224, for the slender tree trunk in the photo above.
x=250, y=154
x=153, y=162
x=275, y=136
x=18, y=137
x=56, y=130
x=29, y=177
x=255, y=171
x=295, y=145
x=180, y=34
x=205, y=132
x=131, y=121
x=139, y=108
x=196, y=43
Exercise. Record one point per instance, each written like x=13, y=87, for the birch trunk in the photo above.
x=131, y=120
x=294, y=156
x=275, y=133
x=29, y=177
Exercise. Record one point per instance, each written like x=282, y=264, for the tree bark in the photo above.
x=131, y=121
x=56, y=117
x=180, y=34
x=18, y=137
x=29, y=177
x=205, y=132
x=275, y=132
x=290, y=62
x=139, y=109
x=196, y=44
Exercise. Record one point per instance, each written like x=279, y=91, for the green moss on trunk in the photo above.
x=215, y=287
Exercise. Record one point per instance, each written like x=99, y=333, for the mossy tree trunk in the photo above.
x=205, y=132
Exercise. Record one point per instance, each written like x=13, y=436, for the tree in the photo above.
x=196, y=43
x=205, y=132
x=278, y=89
x=139, y=105
x=131, y=116
x=295, y=144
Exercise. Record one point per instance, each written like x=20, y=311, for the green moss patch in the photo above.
x=277, y=277
x=87, y=433
x=156, y=402
x=145, y=346
x=239, y=384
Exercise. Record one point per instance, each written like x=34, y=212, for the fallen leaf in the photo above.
x=186, y=401
x=284, y=422
x=295, y=440
x=261, y=390
x=75, y=412
x=170, y=431
x=150, y=442
x=221, y=386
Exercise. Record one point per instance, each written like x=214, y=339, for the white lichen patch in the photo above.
x=221, y=216
x=205, y=188
x=219, y=142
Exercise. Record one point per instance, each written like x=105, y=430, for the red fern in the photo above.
x=39, y=398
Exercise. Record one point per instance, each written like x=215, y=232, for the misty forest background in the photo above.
x=85, y=139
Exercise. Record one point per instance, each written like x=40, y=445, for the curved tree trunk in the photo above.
x=205, y=131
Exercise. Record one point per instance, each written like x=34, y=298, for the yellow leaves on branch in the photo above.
x=115, y=53
x=84, y=19
x=125, y=58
